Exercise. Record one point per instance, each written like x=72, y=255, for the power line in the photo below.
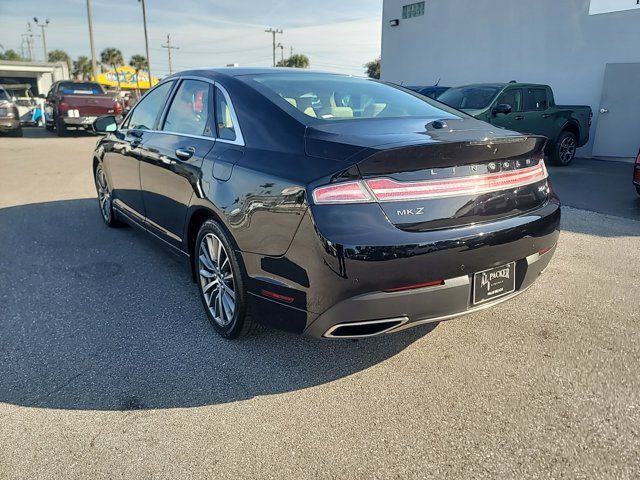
x=169, y=47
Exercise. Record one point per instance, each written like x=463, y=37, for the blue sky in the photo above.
x=337, y=35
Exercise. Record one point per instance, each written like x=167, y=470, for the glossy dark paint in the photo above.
x=321, y=254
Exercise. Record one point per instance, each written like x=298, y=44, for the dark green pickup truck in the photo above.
x=526, y=108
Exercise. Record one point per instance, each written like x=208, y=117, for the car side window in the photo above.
x=513, y=98
x=535, y=99
x=143, y=116
x=225, y=129
x=190, y=108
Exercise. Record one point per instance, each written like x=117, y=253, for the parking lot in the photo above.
x=109, y=368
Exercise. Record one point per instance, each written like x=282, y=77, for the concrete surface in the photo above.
x=598, y=185
x=109, y=369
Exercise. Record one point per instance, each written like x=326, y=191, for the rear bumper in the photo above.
x=402, y=310
x=84, y=122
x=9, y=124
x=334, y=273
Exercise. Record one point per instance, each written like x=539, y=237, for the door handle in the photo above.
x=185, y=153
x=546, y=115
x=519, y=117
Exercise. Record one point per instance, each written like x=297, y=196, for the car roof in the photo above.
x=493, y=85
x=503, y=85
x=240, y=71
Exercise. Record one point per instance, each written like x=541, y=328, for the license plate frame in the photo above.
x=493, y=283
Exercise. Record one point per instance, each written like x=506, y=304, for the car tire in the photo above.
x=105, y=204
x=221, y=282
x=564, y=150
x=61, y=128
x=17, y=132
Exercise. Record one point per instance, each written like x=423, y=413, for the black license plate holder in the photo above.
x=494, y=283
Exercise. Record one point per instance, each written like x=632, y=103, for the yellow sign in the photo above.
x=127, y=76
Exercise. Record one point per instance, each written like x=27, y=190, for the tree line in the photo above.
x=112, y=57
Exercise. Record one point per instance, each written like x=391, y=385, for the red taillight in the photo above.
x=348, y=192
x=63, y=107
x=118, y=108
x=389, y=190
x=434, y=283
x=386, y=189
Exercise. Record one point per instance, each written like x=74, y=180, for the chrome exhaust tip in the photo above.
x=369, y=328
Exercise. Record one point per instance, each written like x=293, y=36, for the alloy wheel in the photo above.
x=104, y=196
x=567, y=149
x=216, y=279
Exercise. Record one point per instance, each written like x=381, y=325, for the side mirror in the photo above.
x=503, y=108
x=105, y=124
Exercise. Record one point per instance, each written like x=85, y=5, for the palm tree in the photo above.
x=139, y=62
x=59, y=56
x=82, y=68
x=373, y=68
x=298, y=60
x=112, y=56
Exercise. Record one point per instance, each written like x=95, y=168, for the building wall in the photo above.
x=41, y=75
x=542, y=41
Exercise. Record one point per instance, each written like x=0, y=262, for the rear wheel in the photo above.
x=104, y=199
x=565, y=149
x=221, y=282
x=61, y=128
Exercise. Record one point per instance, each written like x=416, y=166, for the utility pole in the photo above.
x=29, y=35
x=43, y=25
x=281, y=47
x=169, y=47
x=273, y=32
x=93, y=48
x=146, y=41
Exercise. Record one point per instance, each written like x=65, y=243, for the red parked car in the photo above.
x=77, y=105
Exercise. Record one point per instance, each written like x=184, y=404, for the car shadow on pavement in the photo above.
x=107, y=319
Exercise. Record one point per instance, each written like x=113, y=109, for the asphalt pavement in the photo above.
x=109, y=369
x=598, y=185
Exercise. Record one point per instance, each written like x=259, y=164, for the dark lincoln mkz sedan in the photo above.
x=329, y=205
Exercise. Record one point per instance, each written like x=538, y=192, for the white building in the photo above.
x=587, y=50
x=39, y=75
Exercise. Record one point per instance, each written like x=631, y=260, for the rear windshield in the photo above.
x=470, y=98
x=338, y=97
x=80, y=88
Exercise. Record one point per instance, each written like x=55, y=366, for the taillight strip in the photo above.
x=386, y=189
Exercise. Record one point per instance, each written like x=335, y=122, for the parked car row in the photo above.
x=525, y=108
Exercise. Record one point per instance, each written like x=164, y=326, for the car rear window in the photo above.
x=470, y=98
x=340, y=97
x=80, y=88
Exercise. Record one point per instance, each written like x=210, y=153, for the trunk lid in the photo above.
x=90, y=105
x=444, y=173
